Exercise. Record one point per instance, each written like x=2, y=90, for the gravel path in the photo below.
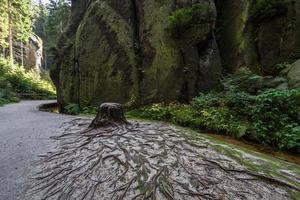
x=24, y=133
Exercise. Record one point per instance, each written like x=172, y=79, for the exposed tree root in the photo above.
x=143, y=161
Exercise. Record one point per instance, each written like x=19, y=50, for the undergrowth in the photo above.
x=76, y=109
x=242, y=109
x=16, y=84
x=264, y=9
x=185, y=18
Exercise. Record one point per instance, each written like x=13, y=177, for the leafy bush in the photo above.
x=186, y=17
x=72, y=109
x=6, y=96
x=267, y=116
x=89, y=110
x=281, y=66
x=244, y=80
x=76, y=109
x=264, y=9
x=274, y=116
x=15, y=82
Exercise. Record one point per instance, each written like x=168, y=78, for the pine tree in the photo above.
x=50, y=23
x=57, y=20
x=22, y=23
x=40, y=22
x=39, y=27
x=59, y=12
x=3, y=26
x=15, y=24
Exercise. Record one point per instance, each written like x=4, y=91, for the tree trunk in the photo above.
x=22, y=54
x=3, y=52
x=10, y=35
x=45, y=59
x=109, y=114
x=61, y=27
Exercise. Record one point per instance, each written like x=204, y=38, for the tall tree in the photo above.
x=59, y=12
x=3, y=26
x=15, y=26
x=21, y=23
x=50, y=23
x=41, y=15
x=39, y=27
x=57, y=20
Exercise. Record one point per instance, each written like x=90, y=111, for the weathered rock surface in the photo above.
x=125, y=52
x=34, y=53
x=262, y=44
x=293, y=75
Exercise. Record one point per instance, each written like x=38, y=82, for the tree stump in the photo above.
x=109, y=114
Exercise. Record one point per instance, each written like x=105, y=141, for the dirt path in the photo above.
x=24, y=133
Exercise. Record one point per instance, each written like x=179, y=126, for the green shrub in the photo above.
x=274, y=116
x=266, y=116
x=72, y=109
x=244, y=80
x=184, y=18
x=29, y=82
x=16, y=82
x=281, y=66
x=89, y=110
x=263, y=9
x=6, y=96
x=76, y=109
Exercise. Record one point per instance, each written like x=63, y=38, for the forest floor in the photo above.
x=140, y=160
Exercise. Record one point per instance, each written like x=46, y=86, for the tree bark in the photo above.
x=10, y=36
x=22, y=54
x=109, y=114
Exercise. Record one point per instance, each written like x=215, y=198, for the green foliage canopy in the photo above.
x=16, y=14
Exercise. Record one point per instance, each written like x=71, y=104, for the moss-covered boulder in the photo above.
x=126, y=52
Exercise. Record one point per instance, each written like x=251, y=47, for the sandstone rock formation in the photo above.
x=258, y=43
x=34, y=53
x=129, y=52
x=146, y=51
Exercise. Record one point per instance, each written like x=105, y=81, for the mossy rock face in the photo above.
x=105, y=54
x=172, y=67
x=259, y=44
x=235, y=38
x=277, y=41
x=124, y=52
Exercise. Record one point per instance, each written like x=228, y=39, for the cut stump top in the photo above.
x=109, y=114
